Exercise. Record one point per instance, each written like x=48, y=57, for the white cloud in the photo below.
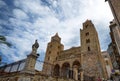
x=33, y=7
x=62, y=16
x=19, y=14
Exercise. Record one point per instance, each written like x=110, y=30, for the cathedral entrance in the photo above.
x=65, y=71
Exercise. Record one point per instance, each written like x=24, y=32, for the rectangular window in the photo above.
x=58, y=47
x=88, y=48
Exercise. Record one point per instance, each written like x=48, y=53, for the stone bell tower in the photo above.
x=31, y=59
x=91, y=52
x=53, y=50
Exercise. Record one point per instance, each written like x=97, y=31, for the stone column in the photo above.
x=75, y=73
x=81, y=75
x=60, y=72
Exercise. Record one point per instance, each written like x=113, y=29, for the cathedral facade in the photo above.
x=77, y=62
x=82, y=63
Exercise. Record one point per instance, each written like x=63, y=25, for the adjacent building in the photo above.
x=115, y=8
x=112, y=56
x=115, y=30
x=115, y=37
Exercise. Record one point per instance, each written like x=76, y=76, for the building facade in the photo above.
x=115, y=36
x=82, y=63
x=115, y=29
x=112, y=56
x=115, y=8
x=77, y=62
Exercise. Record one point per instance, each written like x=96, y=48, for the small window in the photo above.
x=88, y=48
x=87, y=33
x=48, y=58
x=58, y=47
x=50, y=46
x=57, y=53
x=87, y=40
x=86, y=26
x=49, y=52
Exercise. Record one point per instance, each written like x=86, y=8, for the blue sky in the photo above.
x=24, y=21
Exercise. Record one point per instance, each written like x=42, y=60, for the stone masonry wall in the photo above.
x=27, y=77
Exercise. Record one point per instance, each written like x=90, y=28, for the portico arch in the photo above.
x=65, y=70
x=56, y=70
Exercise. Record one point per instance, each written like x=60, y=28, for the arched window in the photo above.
x=86, y=26
x=87, y=33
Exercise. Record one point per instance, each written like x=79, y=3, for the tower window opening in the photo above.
x=87, y=40
x=86, y=26
x=49, y=52
x=87, y=34
x=88, y=48
x=48, y=58
x=58, y=47
x=50, y=46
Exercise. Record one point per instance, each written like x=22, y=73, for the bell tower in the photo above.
x=89, y=37
x=53, y=50
x=92, y=62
